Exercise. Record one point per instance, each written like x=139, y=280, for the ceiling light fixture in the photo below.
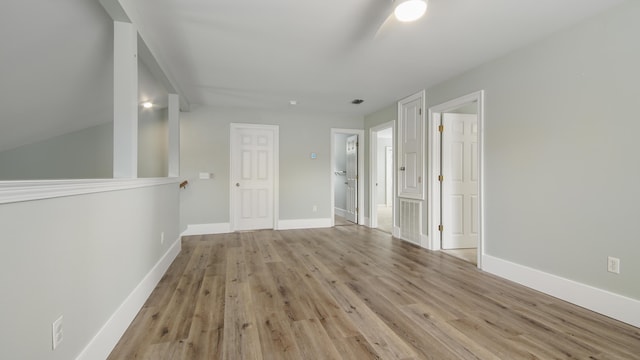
x=147, y=105
x=410, y=10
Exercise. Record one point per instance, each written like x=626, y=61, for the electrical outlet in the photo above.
x=613, y=265
x=57, y=333
x=162, y=237
x=315, y=208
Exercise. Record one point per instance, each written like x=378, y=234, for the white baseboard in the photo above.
x=340, y=212
x=366, y=222
x=396, y=232
x=206, y=229
x=108, y=336
x=425, y=242
x=304, y=224
x=601, y=301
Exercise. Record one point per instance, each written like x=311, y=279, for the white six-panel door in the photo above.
x=252, y=176
x=410, y=146
x=352, y=179
x=460, y=182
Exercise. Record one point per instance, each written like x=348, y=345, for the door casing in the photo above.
x=433, y=168
x=373, y=171
x=360, y=133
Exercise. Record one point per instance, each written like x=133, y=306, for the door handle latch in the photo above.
x=237, y=184
x=402, y=168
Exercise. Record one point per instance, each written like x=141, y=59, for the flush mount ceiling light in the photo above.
x=410, y=10
x=147, y=105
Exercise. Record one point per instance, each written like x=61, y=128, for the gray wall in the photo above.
x=340, y=164
x=204, y=139
x=80, y=257
x=84, y=154
x=561, y=163
x=153, y=147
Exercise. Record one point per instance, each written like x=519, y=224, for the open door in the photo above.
x=459, y=181
x=352, y=179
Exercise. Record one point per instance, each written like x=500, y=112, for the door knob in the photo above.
x=402, y=168
x=237, y=184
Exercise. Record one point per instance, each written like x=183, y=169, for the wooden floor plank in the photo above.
x=351, y=292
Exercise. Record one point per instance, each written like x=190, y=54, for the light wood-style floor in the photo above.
x=350, y=292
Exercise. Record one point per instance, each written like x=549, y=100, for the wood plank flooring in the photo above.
x=351, y=292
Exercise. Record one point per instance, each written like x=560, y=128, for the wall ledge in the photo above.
x=30, y=190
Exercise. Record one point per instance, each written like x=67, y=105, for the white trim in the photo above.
x=108, y=336
x=276, y=169
x=396, y=232
x=601, y=301
x=419, y=196
x=304, y=224
x=207, y=229
x=373, y=170
x=361, y=146
x=17, y=191
x=433, y=208
x=339, y=212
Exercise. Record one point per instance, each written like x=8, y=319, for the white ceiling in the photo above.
x=257, y=53
x=56, y=56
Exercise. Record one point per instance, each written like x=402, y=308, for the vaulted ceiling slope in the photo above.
x=56, y=69
x=256, y=53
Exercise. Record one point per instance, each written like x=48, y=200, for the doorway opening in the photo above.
x=455, y=177
x=347, y=165
x=382, y=177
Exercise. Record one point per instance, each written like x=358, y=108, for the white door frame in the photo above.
x=433, y=205
x=276, y=171
x=361, y=144
x=373, y=172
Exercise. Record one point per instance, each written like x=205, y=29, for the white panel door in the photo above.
x=252, y=177
x=410, y=146
x=460, y=183
x=352, y=179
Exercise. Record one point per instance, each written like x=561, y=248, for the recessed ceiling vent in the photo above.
x=357, y=101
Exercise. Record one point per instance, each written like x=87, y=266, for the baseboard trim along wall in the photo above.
x=601, y=301
x=106, y=339
x=340, y=212
x=304, y=224
x=207, y=229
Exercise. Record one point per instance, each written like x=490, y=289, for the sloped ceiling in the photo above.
x=256, y=53
x=55, y=69
x=56, y=56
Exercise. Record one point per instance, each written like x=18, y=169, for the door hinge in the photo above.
x=440, y=178
x=440, y=228
x=420, y=111
x=441, y=128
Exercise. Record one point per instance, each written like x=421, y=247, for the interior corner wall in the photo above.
x=303, y=181
x=560, y=148
x=79, y=257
